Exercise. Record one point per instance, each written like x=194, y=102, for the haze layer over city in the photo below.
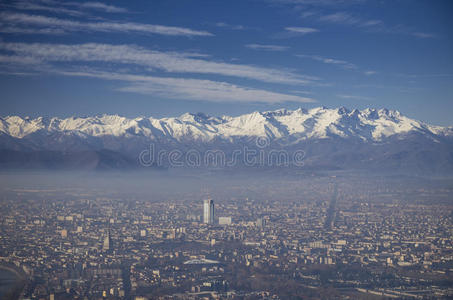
x=252, y=149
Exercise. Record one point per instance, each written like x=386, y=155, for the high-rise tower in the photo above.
x=208, y=211
x=107, y=244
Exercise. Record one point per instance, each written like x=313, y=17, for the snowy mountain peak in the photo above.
x=342, y=110
x=278, y=112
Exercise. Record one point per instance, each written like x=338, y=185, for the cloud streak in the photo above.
x=424, y=35
x=37, y=6
x=174, y=62
x=191, y=89
x=101, y=6
x=327, y=3
x=354, y=97
x=372, y=25
x=229, y=26
x=266, y=47
x=291, y=32
x=301, y=30
x=27, y=22
x=348, y=19
x=341, y=63
x=64, y=7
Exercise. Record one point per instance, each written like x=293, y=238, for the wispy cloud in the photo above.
x=417, y=76
x=328, y=3
x=341, y=63
x=191, y=89
x=18, y=59
x=101, y=6
x=348, y=19
x=38, y=6
x=308, y=13
x=65, y=7
x=354, y=97
x=368, y=73
x=27, y=22
x=372, y=25
x=302, y=92
x=301, y=30
x=175, y=62
x=266, y=47
x=229, y=26
x=424, y=35
x=340, y=18
x=20, y=30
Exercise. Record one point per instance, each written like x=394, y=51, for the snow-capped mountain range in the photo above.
x=368, y=125
x=341, y=128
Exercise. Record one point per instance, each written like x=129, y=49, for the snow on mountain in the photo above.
x=321, y=123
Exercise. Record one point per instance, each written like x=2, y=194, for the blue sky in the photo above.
x=166, y=57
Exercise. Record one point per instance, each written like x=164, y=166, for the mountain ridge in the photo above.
x=320, y=122
x=330, y=138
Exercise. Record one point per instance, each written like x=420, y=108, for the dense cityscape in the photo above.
x=239, y=149
x=329, y=236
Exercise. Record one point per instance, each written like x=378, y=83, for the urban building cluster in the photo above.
x=90, y=246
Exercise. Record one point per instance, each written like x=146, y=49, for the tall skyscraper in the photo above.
x=208, y=211
x=107, y=242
